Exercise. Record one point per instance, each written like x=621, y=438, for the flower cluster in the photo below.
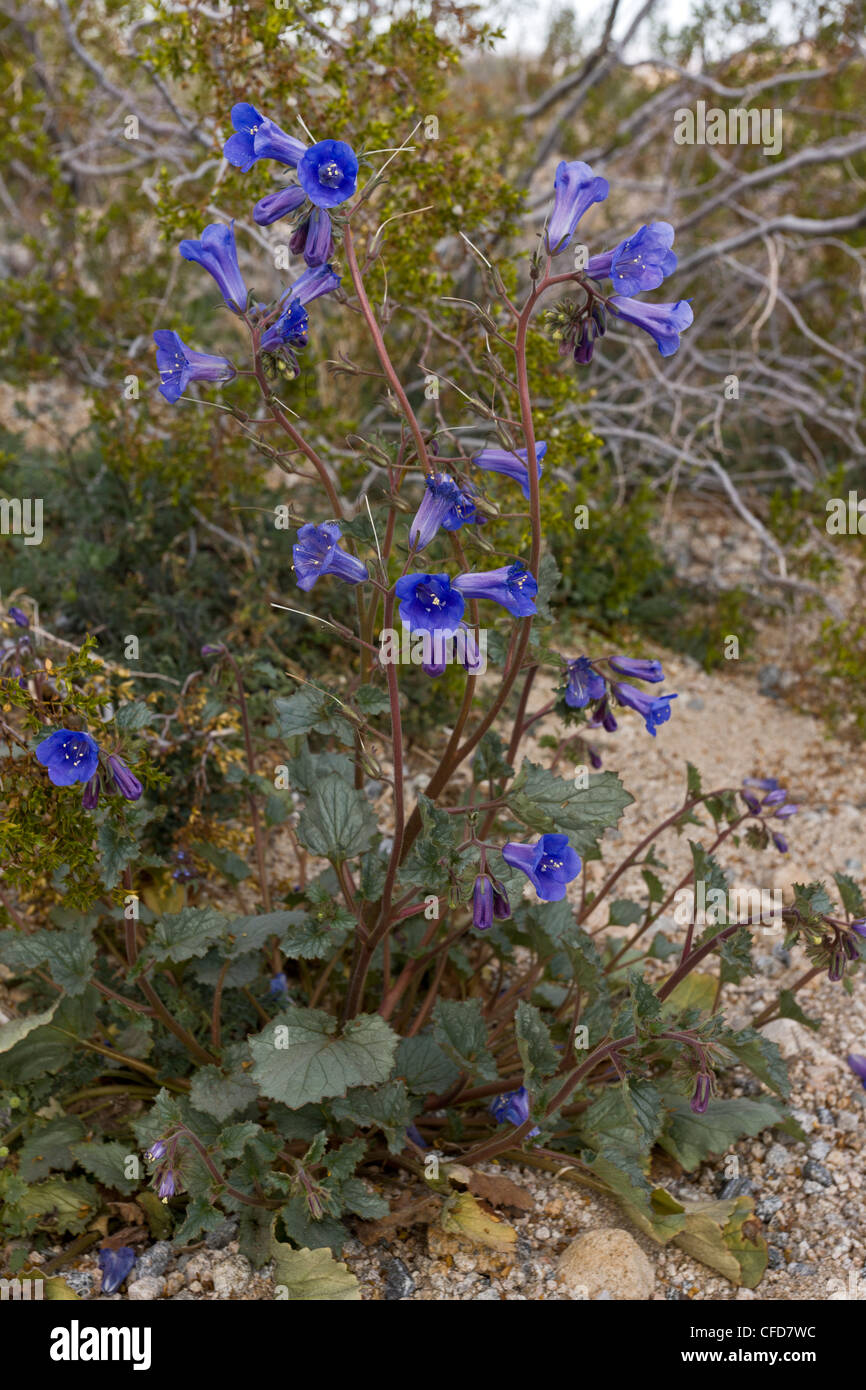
x=774, y=803
x=587, y=686
x=633, y=266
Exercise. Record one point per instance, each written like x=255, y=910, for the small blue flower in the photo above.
x=217, y=253
x=512, y=586
x=276, y=205
x=318, y=552
x=18, y=616
x=127, y=784
x=584, y=684
x=116, y=1265
x=429, y=603
x=663, y=322
x=311, y=284
x=602, y=718
x=289, y=330
x=178, y=365
x=501, y=905
x=640, y=263
x=512, y=1108
x=156, y=1151
x=764, y=784
x=328, y=173
x=69, y=757
x=549, y=864
x=576, y=189
x=413, y=1133
x=702, y=1093
x=511, y=462
x=780, y=842
x=314, y=238
x=258, y=138
x=443, y=504
x=637, y=669
x=279, y=984
x=90, y=795
x=655, y=710
x=785, y=811
x=167, y=1185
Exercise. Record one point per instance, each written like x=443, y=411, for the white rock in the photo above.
x=232, y=1276
x=606, y=1262
x=147, y=1289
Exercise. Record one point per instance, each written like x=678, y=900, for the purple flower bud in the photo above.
x=703, y=1090
x=279, y=984
x=637, y=669
x=763, y=784
x=127, y=784
x=501, y=905
x=785, y=811
x=482, y=903
x=857, y=1063
x=775, y=797
x=595, y=758
x=849, y=946
x=752, y=802
x=858, y=925
x=780, y=842
x=18, y=617
x=156, y=1151
x=837, y=966
x=212, y=649
x=115, y=1266
x=90, y=796
x=416, y=1137
x=166, y=1186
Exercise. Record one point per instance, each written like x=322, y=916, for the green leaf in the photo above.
x=490, y=763
x=693, y=780
x=307, y=769
x=736, y=956
x=134, y=716
x=107, y=1163
x=547, y=803
x=117, y=851
x=645, y=1002
x=761, y=1056
x=48, y=1146
x=67, y=1206
x=220, y=1095
x=695, y=991
x=726, y=1236
x=386, y=1108
x=624, y=913
x=300, y=1057
x=358, y=1199
x=460, y=1030
x=201, y=1216
x=311, y=710
x=71, y=957
x=422, y=1064
x=312, y=1275
x=690, y=1138
x=537, y=1053
x=18, y=1029
x=371, y=700
x=337, y=822
x=181, y=935
x=229, y=864
x=790, y=1008
x=850, y=894
x=324, y=1233
x=655, y=1211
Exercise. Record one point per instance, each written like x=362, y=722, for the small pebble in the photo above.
x=816, y=1172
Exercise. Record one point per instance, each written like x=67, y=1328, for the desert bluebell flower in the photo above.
x=289, y=330
x=636, y=669
x=602, y=717
x=655, y=710
x=780, y=842
x=639, y=263
x=663, y=322
x=576, y=188
x=90, y=795
x=116, y=1265
x=19, y=618
x=167, y=1185
x=763, y=784
x=314, y=238
x=482, y=903
x=549, y=864
x=511, y=462
x=318, y=552
x=127, y=784
x=512, y=1108
x=429, y=603
x=279, y=984
x=258, y=138
x=217, y=253
x=328, y=173
x=444, y=504
x=584, y=683
x=156, y=1151
x=785, y=811
x=68, y=757
x=178, y=365
x=512, y=586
